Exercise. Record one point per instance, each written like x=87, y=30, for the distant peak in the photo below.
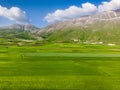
x=20, y=27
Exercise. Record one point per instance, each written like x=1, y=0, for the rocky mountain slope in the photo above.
x=101, y=28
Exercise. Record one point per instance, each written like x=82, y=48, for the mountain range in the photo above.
x=101, y=28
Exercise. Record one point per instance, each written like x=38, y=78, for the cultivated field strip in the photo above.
x=70, y=55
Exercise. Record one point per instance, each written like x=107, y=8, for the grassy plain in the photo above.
x=60, y=67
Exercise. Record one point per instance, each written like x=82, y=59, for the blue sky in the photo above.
x=37, y=10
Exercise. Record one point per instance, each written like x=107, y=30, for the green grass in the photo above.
x=60, y=66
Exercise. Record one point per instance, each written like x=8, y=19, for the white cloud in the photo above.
x=71, y=12
x=107, y=6
x=14, y=14
x=86, y=9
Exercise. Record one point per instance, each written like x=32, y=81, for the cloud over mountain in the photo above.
x=71, y=12
x=107, y=6
x=14, y=14
x=86, y=9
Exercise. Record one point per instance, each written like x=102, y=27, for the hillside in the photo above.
x=17, y=33
x=102, y=28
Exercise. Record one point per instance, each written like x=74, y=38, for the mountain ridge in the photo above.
x=102, y=27
x=103, y=16
x=26, y=27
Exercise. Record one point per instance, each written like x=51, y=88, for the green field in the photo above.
x=60, y=67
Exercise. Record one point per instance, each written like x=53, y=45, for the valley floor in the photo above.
x=60, y=67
